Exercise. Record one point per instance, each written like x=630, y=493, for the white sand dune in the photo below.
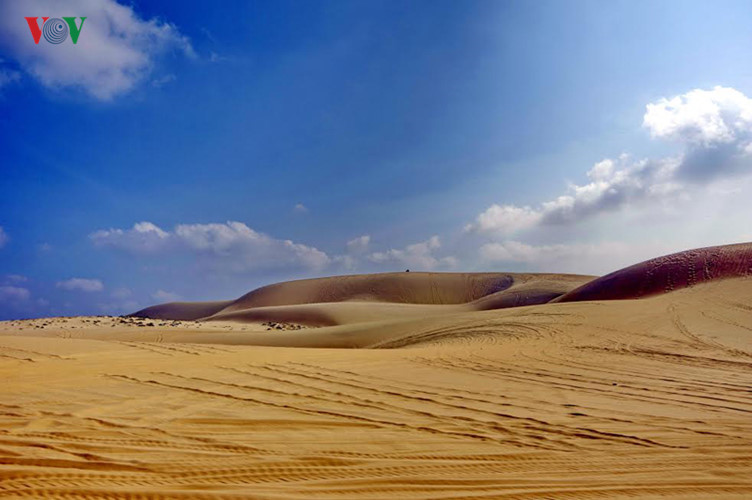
x=443, y=393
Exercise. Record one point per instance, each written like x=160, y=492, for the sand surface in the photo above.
x=640, y=398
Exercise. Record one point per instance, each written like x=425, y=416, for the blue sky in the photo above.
x=194, y=152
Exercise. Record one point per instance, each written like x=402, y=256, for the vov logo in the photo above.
x=55, y=30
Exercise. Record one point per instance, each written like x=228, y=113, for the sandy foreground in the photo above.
x=647, y=398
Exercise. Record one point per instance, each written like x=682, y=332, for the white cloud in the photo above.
x=3, y=237
x=418, y=255
x=14, y=294
x=116, y=49
x=81, y=284
x=300, y=208
x=16, y=278
x=254, y=249
x=702, y=117
x=715, y=127
x=359, y=245
x=164, y=296
x=144, y=237
x=504, y=219
x=232, y=246
x=613, y=184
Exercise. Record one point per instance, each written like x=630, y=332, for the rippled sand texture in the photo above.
x=642, y=398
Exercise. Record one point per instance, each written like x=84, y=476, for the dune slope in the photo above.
x=668, y=273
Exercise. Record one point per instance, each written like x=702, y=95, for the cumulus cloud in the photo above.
x=359, y=245
x=232, y=246
x=418, y=255
x=702, y=117
x=116, y=49
x=14, y=293
x=715, y=126
x=300, y=208
x=3, y=237
x=613, y=184
x=235, y=239
x=715, y=129
x=505, y=219
x=81, y=284
x=143, y=237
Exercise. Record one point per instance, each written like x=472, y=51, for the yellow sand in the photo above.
x=646, y=398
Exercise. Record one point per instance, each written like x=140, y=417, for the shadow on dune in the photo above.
x=667, y=273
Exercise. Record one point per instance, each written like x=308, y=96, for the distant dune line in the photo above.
x=339, y=300
x=355, y=298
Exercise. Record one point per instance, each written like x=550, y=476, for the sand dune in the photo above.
x=668, y=273
x=645, y=398
x=358, y=298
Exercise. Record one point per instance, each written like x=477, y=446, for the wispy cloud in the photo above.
x=3, y=237
x=163, y=80
x=164, y=296
x=121, y=293
x=81, y=284
x=8, y=76
x=14, y=293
